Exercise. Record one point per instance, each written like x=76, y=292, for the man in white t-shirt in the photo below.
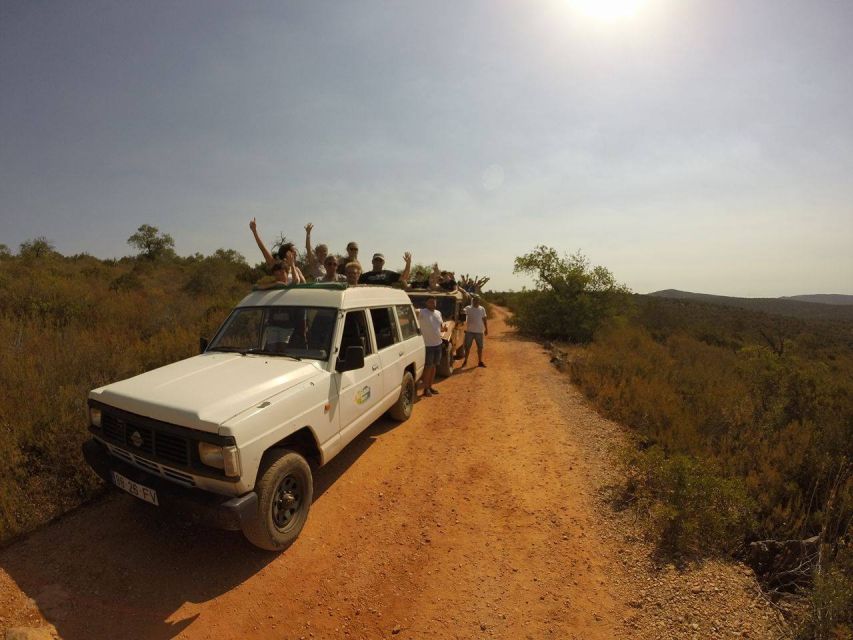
x=475, y=328
x=432, y=324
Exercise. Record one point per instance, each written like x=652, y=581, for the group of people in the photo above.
x=321, y=266
x=432, y=326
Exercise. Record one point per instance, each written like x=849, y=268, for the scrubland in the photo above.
x=743, y=419
x=70, y=324
x=743, y=422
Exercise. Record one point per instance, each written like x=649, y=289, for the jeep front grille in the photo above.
x=144, y=439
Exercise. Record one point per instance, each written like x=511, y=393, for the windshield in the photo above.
x=445, y=304
x=298, y=332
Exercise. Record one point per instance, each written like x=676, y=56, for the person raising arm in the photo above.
x=267, y=255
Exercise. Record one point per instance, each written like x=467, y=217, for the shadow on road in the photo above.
x=115, y=568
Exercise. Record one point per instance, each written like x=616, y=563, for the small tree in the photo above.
x=571, y=299
x=151, y=243
x=36, y=248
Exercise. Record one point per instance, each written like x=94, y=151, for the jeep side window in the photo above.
x=384, y=327
x=355, y=332
x=408, y=325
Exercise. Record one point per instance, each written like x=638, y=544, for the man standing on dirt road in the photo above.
x=432, y=324
x=475, y=328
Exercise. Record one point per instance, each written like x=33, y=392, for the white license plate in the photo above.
x=135, y=489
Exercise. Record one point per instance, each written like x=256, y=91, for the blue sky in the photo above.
x=704, y=145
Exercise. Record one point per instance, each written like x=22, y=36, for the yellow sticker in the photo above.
x=362, y=396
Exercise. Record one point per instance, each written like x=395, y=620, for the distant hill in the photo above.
x=822, y=298
x=793, y=307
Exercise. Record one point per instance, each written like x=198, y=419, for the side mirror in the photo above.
x=202, y=345
x=463, y=316
x=353, y=359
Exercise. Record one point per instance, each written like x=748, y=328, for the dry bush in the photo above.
x=65, y=329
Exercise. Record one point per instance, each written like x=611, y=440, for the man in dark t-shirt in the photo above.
x=379, y=275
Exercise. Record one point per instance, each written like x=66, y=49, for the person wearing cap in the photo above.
x=286, y=254
x=379, y=275
x=476, y=327
x=315, y=258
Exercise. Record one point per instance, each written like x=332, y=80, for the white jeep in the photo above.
x=231, y=435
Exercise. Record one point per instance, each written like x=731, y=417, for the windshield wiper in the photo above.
x=264, y=352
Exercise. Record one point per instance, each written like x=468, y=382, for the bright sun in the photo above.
x=608, y=10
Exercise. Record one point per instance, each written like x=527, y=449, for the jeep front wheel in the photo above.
x=284, y=493
x=402, y=409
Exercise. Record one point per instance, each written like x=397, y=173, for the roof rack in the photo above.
x=335, y=286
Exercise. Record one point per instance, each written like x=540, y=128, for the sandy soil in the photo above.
x=484, y=515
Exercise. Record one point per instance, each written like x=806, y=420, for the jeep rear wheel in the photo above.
x=284, y=493
x=402, y=409
x=445, y=366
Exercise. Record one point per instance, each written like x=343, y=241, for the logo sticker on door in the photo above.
x=362, y=396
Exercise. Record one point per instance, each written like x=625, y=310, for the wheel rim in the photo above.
x=408, y=395
x=287, y=501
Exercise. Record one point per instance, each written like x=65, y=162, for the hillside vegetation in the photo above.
x=744, y=424
x=817, y=307
x=70, y=324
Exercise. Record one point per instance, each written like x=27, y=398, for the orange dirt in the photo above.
x=481, y=516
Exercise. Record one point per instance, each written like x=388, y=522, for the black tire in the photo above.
x=402, y=409
x=445, y=366
x=285, y=491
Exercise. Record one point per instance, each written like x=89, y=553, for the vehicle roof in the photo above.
x=339, y=296
x=439, y=293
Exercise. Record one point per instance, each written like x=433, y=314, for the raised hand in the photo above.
x=253, y=225
x=308, y=228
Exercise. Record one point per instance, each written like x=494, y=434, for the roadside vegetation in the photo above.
x=72, y=323
x=743, y=422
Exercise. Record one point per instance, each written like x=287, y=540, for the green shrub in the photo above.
x=693, y=510
x=571, y=299
x=830, y=606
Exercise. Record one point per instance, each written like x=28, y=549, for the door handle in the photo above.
x=401, y=353
x=375, y=367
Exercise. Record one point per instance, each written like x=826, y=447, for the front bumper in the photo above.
x=203, y=507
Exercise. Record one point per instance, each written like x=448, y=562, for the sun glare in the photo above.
x=608, y=10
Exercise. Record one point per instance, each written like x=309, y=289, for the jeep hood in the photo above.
x=204, y=391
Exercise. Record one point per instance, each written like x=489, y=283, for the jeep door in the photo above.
x=360, y=389
x=391, y=351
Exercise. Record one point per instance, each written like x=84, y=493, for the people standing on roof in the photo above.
x=330, y=266
x=283, y=272
x=432, y=325
x=352, y=256
x=286, y=254
x=447, y=281
x=380, y=275
x=476, y=327
x=473, y=285
x=435, y=278
x=315, y=258
x=353, y=272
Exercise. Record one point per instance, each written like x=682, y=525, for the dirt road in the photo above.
x=482, y=516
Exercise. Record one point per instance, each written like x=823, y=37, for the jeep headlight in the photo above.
x=95, y=416
x=225, y=458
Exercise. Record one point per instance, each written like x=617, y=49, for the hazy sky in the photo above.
x=704, y=145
